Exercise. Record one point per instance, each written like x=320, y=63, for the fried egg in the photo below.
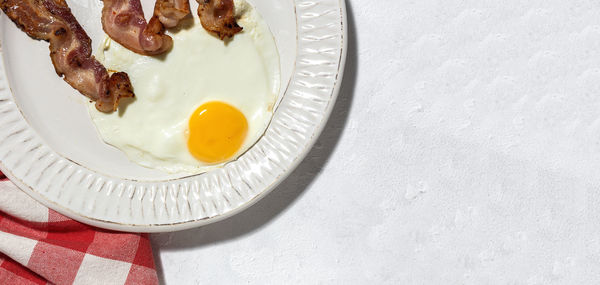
x=198, y=106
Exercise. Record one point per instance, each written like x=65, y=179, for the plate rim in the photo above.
x=188, y=224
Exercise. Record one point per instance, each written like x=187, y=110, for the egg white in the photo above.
x=243, y=72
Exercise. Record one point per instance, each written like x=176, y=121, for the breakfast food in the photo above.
x=202, y=104
x=171, y=12
x=70, y=50
x=217, y=17
x=124, y=22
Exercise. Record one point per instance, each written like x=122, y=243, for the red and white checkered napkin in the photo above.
x=40, y=246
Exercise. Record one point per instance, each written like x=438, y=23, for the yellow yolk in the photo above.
x=216, y=132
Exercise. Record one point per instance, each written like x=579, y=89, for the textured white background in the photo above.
x=464, y=149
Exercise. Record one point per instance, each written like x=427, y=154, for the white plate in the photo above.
x=50, y=149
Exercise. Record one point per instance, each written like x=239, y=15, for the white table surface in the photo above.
x=464, y=149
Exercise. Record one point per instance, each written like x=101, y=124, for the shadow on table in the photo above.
x=291, y=188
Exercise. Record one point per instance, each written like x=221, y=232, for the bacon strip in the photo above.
x=70, y=49
x=124, y=22
x=217, y=16
x=171, y=12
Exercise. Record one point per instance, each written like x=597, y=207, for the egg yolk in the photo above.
x=216, y=132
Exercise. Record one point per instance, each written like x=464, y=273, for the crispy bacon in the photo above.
x=124, y=22
x=217, y=16
x=70, y=49
x=171, y=12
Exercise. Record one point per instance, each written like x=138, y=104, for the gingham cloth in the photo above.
x=40, y=246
